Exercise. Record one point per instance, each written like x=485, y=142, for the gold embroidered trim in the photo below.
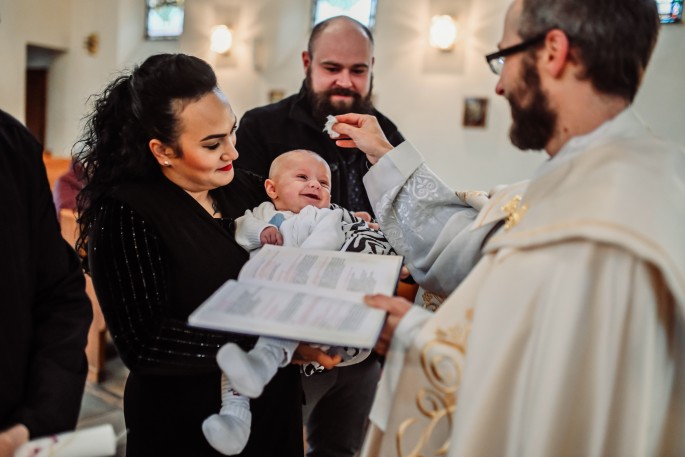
x=514, y=211
x=441, y=361
x=431, y=301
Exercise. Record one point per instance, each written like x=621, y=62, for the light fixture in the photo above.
x=221, y=39
x=92, y=43
x=443, y=32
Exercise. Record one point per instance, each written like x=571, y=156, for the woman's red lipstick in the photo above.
x=227, y=167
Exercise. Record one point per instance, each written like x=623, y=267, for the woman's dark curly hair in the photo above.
x=132, y=110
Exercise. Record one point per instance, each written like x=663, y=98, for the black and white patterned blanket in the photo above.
x=359, y=237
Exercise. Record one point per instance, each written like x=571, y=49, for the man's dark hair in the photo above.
x=613, y=39
x=321, y=26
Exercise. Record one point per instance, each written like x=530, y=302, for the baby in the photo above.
x=299, y=214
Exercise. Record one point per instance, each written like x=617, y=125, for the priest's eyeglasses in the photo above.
x=496, y=59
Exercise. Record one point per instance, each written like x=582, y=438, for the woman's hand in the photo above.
x=12, y=438
x=363, y=215
x=396, y=307
x=363, y=132
x=306, y=353
x=366, y=217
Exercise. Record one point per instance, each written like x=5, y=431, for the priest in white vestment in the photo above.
x=568, y=337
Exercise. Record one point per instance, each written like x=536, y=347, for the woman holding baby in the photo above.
x=160, y=194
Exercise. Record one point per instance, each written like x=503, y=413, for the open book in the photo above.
x=98, y=441
x=304, y=295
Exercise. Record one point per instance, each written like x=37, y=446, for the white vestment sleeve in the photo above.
x=575, y=350
x=424, y=220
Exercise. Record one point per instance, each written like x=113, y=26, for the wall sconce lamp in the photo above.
x=92, y=43
x=221, y=40
x=443, y=32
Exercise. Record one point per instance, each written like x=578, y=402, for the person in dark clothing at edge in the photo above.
x=338, y=65
x=156, y=216
x=44, y=311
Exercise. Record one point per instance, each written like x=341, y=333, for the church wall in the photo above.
x=421, y=90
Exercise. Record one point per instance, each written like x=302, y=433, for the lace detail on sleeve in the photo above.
x=425, y=221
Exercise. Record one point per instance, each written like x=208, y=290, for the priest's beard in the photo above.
x=533, y=125
x=321, y=101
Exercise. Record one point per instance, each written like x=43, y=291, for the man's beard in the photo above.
x=533, y=125
x=322, y=106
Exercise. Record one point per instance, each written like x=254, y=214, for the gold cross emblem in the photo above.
x=514, y=211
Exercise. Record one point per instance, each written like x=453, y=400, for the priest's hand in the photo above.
x=362, y=131
x=396, y=307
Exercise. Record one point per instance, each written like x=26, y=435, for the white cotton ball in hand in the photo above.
x=330, y=122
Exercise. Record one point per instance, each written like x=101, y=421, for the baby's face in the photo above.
x=302, y=180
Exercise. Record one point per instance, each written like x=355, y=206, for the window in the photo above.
x=362, y=10
x=163, y=19
x=670, y=11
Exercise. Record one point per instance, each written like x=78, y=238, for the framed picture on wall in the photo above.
x=362, y=10
x=475, y=111
x=670, y=11
x=164, y=19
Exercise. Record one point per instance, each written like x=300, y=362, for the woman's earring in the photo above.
x=166, y=163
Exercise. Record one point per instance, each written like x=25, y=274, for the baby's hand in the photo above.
x=271, y=235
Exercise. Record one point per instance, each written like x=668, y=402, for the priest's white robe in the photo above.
x=568, y=337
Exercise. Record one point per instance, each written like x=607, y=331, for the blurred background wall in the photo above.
x=418, y=87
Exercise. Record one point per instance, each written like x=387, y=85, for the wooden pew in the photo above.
x=97, y=334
